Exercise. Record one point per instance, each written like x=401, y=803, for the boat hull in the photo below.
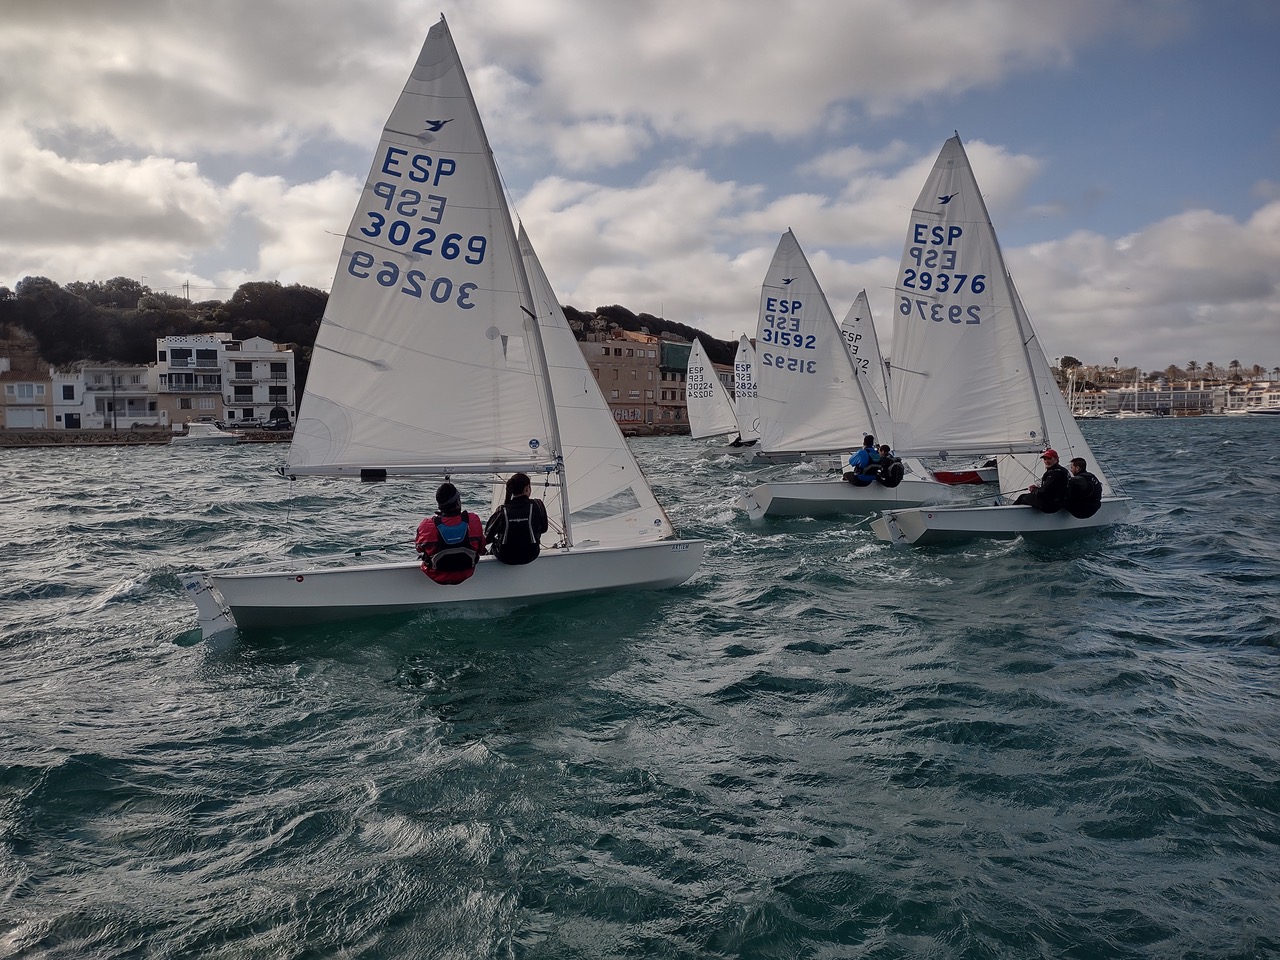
x=301, y=595
x=820, y=498
x=944, y=524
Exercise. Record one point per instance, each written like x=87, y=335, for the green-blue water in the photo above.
x=818, y=747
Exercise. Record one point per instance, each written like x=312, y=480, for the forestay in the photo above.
x=810, y=398
x=411, y=294
x=711, y=412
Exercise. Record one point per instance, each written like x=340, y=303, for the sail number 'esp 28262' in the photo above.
x=408, y=218
x=781, y=329
x=935, y=251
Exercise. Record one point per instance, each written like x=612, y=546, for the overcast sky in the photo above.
x=656, y=149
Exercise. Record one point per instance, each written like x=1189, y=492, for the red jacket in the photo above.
x=430, y=546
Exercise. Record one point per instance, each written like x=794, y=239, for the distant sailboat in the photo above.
x=812, y=400
x=711, y=412
x=970, y=376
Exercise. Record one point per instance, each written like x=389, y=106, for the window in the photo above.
x=617, y=351
x=613, y=394
x=604, y=351
x=650, y=375
x=634, y=395
x=244, y=394
x=653, y=354
x=135, y=379
x=206, y=403
x=630, y=352
x=184, y=403
x=648, y=394
x=243, y=370
x=633, y=374
x=615, y=373
x=97, y=378
x=68, y=392
x=279, y=370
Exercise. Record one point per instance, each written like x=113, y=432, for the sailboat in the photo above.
x=864, y=348
x=812, y=400
x=712, y=412
x=859, y=333
x=443, y=353
x=969, y=375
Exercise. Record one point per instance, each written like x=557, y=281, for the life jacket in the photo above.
x=455, y=548
x=516, y=541
x=891, y=471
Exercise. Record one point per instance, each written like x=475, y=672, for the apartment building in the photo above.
x=216, y=376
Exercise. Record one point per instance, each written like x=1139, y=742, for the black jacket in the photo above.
x=1084, y=494
x=514, y=531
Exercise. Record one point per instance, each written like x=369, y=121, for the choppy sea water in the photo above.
x=818, y=747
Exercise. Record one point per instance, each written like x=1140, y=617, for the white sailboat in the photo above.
x=859, y=334
x=812, y=400
x=711, y=410
x=704, y=404
x=746, y=396
x=969, y=374
x=443, y=352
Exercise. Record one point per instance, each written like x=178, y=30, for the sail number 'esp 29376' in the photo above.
x=935, y=251
x=781, y=328
x=408, y=218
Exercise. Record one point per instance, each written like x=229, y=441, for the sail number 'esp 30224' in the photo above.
x=935, y=251
x=781, y=328
x=408, y=219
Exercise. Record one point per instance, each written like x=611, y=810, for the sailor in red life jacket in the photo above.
x=451, y=541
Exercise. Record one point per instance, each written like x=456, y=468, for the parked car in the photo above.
x=281, y=423
x=248, y=423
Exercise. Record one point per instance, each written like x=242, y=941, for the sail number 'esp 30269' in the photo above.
x=408, y=219
x=935, y=251
x=782, y=330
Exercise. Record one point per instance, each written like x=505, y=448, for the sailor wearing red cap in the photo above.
x=1050, y=493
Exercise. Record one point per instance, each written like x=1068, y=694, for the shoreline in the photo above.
x=18, y=439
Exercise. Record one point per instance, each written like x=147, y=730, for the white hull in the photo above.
x=948, y=523
x=819, y=498
x=204, y=435
x=298, y=595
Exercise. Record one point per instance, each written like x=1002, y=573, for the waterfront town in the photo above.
x=250, y=385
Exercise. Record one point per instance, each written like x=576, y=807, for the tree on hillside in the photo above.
x=1069, y=363
x=66, y=327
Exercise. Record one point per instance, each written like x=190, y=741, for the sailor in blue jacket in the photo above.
x=865, y=463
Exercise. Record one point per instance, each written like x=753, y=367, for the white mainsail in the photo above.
x=969, y=374
x=859, y=334
x=746, y=396
x=610, y=497
x=711, y=412
x=810, y=398
x=430, y=277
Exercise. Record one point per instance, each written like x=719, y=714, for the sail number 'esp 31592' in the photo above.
x=407, y=219
x=781, y=330
x=935, y=252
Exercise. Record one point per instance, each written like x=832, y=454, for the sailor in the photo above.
x=1084, y=490
x=451, y=541
x=864, y=466
x=1048, y=495
x=516, y=528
